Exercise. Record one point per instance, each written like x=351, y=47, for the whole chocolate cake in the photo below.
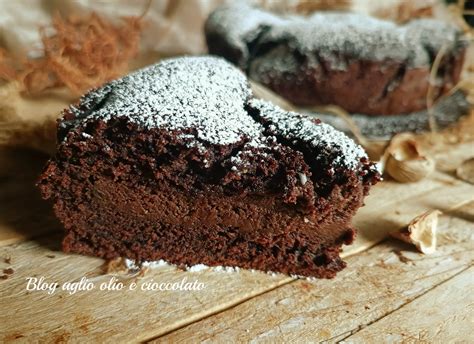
x=363, y=64
x=179, y=162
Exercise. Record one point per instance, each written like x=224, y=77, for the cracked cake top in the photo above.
x=210, y=97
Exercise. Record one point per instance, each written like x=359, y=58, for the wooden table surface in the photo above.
x=388, y=293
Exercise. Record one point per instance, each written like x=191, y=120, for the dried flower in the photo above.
x=81, y=53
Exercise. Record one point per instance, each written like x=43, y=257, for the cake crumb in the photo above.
x=8, y=271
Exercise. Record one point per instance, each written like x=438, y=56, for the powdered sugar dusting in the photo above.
x=322, y=136
x=199, y=268
x=205, y=94
x=204, y=99
x=234, y=23
x=158, y=264
x=445, y=112
x=363, y=37
x=334, y=35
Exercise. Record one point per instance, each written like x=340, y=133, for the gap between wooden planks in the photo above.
x=449, y=315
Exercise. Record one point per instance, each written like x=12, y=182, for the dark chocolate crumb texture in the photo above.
x=363, y=64
x=179, y=162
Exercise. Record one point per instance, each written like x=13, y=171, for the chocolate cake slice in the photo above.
x=179, y=162
x=364, y=65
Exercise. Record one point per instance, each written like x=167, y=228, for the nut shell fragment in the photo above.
x=404, y=162
x=421, y=232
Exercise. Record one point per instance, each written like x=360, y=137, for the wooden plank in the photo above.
x=376, y=283
x=448, y=159
x=102, y=316
x=442, y=315
x=23, y=214
x=456, y=226
x=392, y=205
x=29, y=122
